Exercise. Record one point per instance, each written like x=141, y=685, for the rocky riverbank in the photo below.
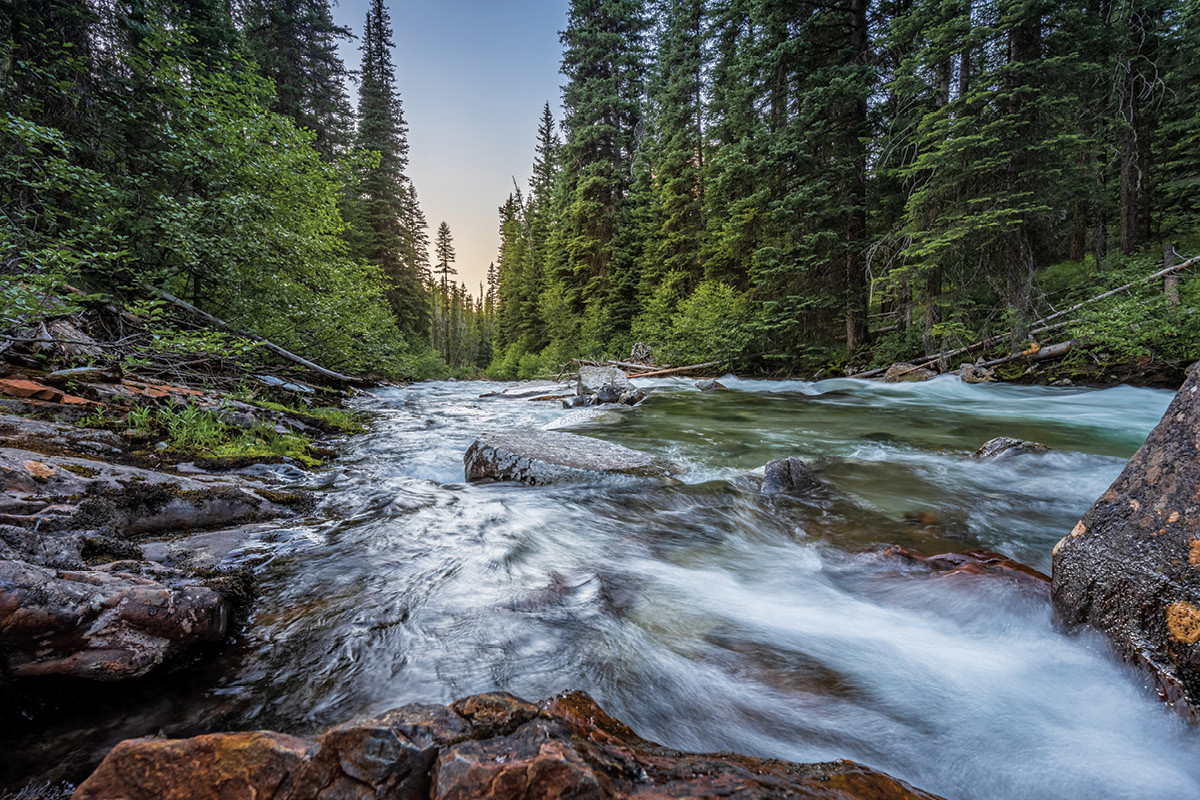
x=485, y=746
x=116, y=520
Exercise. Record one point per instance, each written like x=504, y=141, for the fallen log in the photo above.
x=274, y=348
x=626, y=365
x=1035, y=353
x=675, y=370
x=928, y=360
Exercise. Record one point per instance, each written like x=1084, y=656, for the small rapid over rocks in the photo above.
x=702, y=613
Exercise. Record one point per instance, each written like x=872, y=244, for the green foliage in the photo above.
x=189, y=184
x=194, y=431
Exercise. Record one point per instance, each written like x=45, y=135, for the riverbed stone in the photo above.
x=486, y=746
x=541, y=457
x=709, y=385
x=1006, y=446
x=788, y=476
x=1129, y=566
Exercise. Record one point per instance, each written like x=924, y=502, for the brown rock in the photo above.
x=486, y=746
x=1129, y=566
x=233, y=766
x=24, y=388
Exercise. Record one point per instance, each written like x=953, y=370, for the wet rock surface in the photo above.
x=788, y=476
x=485, y=746
x=78, y=597
x=1131, y=566
x=541, y=457
x=1006, y=446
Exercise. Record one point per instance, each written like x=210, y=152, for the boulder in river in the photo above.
x=541, y=457
x=486, y=746
x=969, y=373
x=1005, y=446
x=709, y=385
x=1131, y=566
x=905, y=373
x=788, y=475
x=593, y=379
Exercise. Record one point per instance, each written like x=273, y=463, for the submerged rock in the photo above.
x=530, y=389
x=541, y=457
x=786, y=475
x=976, y=562
x=486, y=746
x=1131, y=566
x=1005, y=446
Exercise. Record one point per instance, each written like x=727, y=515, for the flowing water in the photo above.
x=701, y=614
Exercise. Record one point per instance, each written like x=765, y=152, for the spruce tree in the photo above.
x=444, y=249
x=604, y=58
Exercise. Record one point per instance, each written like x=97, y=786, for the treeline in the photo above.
x=211, y=150
x=795, y=184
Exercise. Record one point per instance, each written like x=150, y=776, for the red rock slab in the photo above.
x=31, y=389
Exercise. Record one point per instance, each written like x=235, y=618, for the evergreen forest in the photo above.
x=807, y=187
x=783, y=187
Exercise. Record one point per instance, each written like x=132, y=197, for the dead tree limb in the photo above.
x=992, y=340
x=274, y=348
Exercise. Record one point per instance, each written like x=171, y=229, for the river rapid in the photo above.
x=701, y=614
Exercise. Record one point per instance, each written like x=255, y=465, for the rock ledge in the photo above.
x=487, y=746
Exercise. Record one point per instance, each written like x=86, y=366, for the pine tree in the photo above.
x=294, y=43
x=386, y=210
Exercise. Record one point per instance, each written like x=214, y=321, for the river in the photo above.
x=701, y=614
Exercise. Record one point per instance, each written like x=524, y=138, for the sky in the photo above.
x=473, y=76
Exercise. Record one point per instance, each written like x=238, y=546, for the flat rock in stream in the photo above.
x=530, y=389
x=491, y=746
x=542, y=457
x=1131, y=566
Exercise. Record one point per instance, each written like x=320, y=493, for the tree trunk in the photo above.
x=1171, y=280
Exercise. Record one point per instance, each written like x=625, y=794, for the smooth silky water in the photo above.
x=701, y=614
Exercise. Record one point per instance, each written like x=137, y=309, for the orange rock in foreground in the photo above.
x=486, y=746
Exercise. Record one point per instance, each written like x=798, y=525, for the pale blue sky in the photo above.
x=473, y=76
